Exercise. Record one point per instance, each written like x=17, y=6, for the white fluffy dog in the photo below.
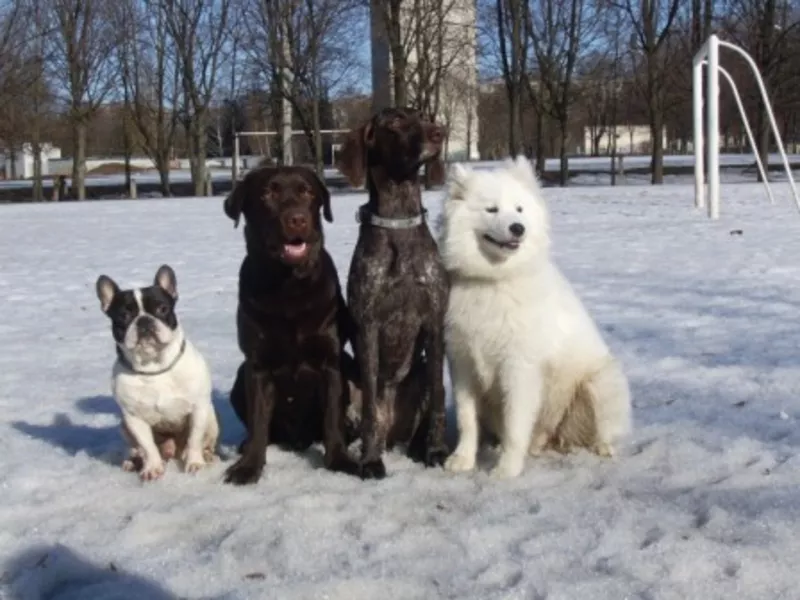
x=526, y=360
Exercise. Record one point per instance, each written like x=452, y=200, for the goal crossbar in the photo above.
x=708, y=56
x=237, y=135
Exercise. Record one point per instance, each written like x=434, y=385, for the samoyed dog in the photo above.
x=527, y=363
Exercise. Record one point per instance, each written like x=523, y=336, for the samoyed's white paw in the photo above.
x=458, y=463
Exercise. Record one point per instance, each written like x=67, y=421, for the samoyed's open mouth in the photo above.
x=510, y=245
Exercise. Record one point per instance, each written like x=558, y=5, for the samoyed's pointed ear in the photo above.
x=457, y=181
x=522, y=169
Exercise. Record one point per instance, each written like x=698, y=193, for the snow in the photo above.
x=703, y=501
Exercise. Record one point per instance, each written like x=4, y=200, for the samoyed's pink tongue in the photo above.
x=294, y=250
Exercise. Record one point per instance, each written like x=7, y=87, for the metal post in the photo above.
x=697, y=116
x=235, y=165
x=775, y=131
x=713, y=127
x=750, y=137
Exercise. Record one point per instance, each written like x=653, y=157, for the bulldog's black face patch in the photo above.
x=141, y=308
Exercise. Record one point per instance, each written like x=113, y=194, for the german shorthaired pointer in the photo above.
x=397, y=289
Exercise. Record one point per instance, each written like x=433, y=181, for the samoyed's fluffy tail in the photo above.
x=599, y=414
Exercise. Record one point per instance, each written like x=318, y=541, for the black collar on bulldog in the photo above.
x=364, y=215
x=127, y=364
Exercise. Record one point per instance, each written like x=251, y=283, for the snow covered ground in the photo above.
x=703, y=503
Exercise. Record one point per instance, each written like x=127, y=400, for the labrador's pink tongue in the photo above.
x=294, y=250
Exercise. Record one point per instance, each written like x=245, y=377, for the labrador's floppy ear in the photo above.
x=322, y=193
x=352, y=159
x=234, y=202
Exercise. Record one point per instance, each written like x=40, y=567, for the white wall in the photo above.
x=459, y=92
x=20, y=163
x=631, y=139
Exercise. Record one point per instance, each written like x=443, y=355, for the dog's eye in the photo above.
x=492, y=210
x=519, y=209
x=125, y=315
x=162, y=310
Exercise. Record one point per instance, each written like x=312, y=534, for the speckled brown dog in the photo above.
x=397, y=288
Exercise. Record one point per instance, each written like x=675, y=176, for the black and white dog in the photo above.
x=160, y=381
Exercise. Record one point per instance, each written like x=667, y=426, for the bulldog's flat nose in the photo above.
x=145, y=326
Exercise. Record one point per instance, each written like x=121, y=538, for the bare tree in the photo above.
x=437, y=57
x=151, y=79
x=652, y=23
x=82, y=66
x=200, y=32
x=15, y=79
x=39, y=96
x=391, y=16
x=559, y=29
x=510, y=18
x=305, y=48
x=23, y=86
x=767, y=29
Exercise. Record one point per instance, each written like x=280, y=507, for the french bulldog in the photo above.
x=160, y=381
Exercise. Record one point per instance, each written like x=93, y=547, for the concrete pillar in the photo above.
x=381, y=57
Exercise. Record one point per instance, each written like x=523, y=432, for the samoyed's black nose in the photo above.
x=516, y=229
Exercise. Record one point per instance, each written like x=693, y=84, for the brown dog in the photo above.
x=289, y=390
x=397, y=288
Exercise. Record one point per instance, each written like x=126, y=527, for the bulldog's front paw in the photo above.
x=152, y=470
x=134, y=462
x=193, y=461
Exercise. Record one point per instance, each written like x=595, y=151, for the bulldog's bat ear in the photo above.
x=165, y=279
x=106, y=290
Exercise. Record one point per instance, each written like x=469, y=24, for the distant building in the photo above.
x=631, y=139
x=19, y=163
x=458, y=100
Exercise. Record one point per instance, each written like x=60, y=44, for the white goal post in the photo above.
x=267, y=134
x=708, y=55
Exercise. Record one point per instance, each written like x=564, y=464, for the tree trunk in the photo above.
x=563, y=175
x=399, y=79
x=656, y=118
x=515, y=91
x=319, y=163
x=162, y=164
x=394, y=27
x=541, y=159
x=36, y=148
x=657, y=155
x=766, y=32
x=126, y=143
x=197, y=154
x=470, y=108
x=12, y=155
x=763, y=134
x=79, y=159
